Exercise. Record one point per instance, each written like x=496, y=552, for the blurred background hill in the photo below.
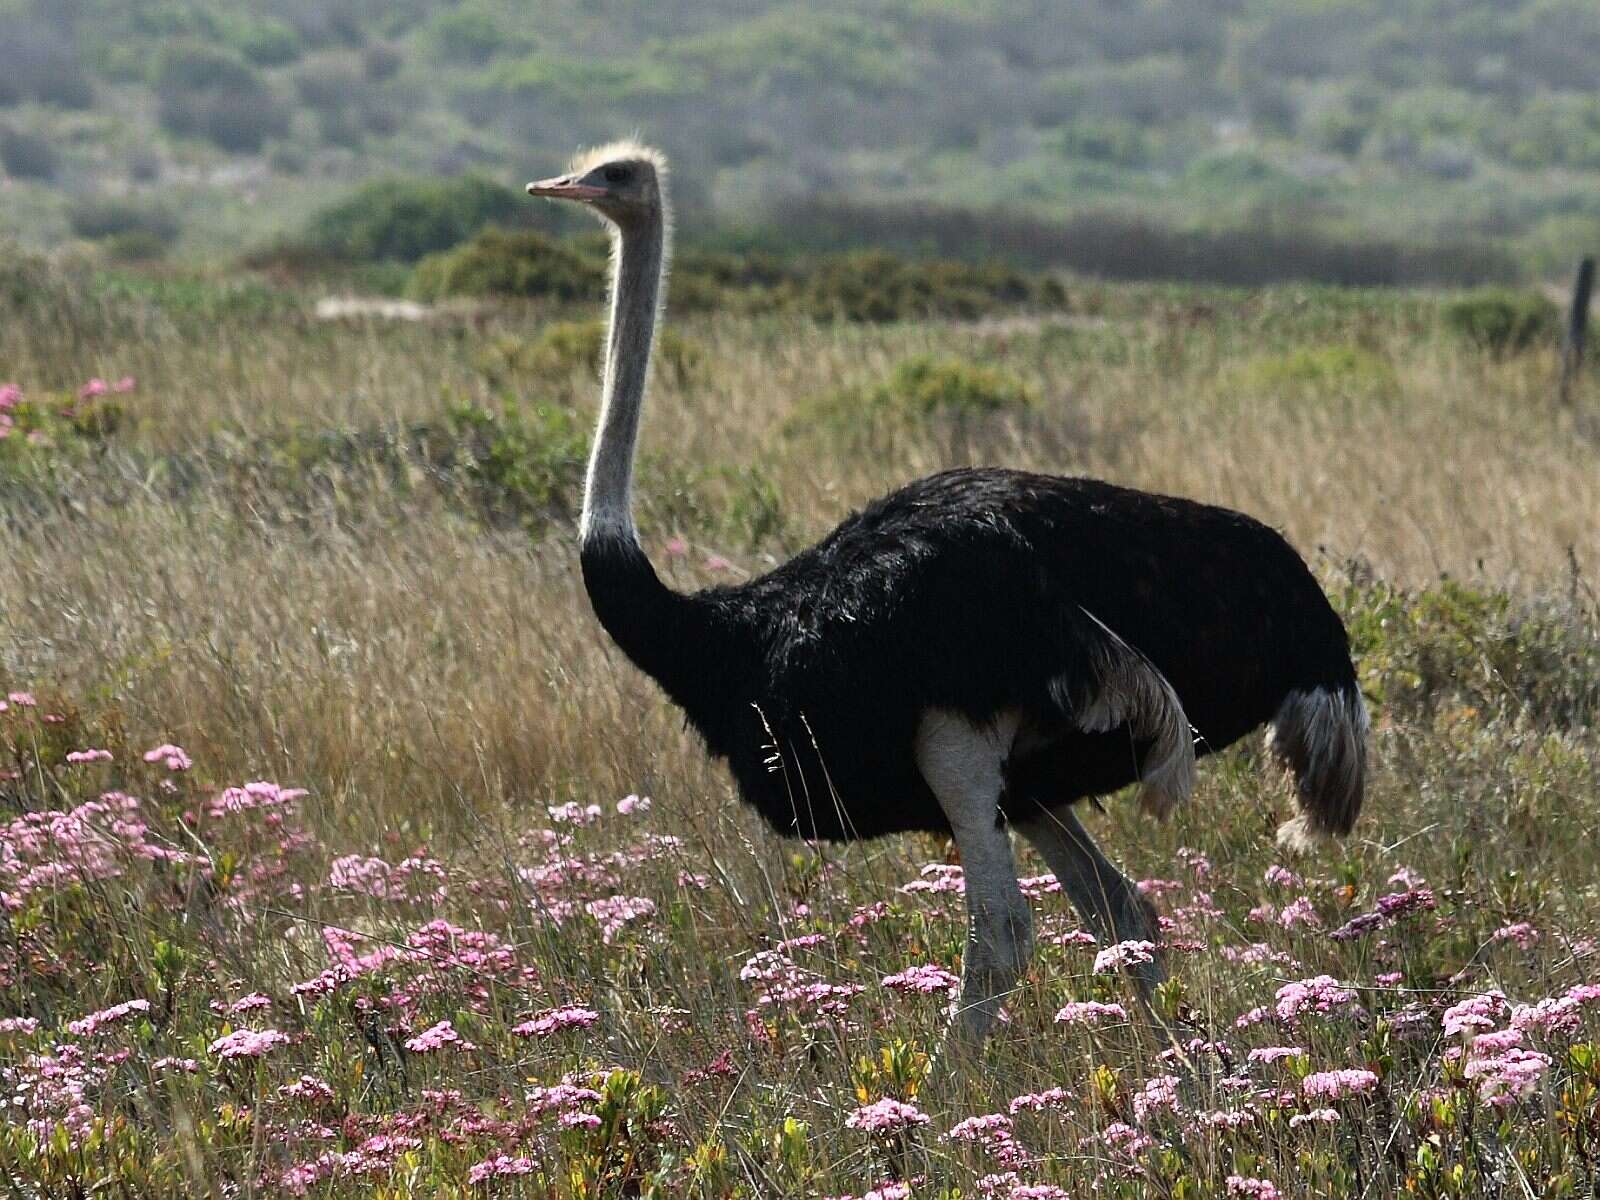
x=204, y=128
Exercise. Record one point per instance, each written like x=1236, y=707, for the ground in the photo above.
x=343, y=856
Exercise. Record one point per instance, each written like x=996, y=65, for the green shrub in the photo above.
x=265, y=42
x=919, y=390
x=562, y=347
x=1322, y=370
x=876, y=286
x=212, y=93
x=1502, y=322
x=521, y=466
x=99, y=218
x=26, y=156
x=406, y=220
x=1461, y=649
x=500, y=262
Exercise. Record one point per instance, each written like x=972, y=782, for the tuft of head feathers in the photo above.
x=622, y=150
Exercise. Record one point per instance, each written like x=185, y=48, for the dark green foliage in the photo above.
x=110, y=218
x=1503, y=322
x=407, y=219
x=500, y=262
x=520, y=465
x=213, y=93
x=27, y=156
x=875, y=286
x=864, y=286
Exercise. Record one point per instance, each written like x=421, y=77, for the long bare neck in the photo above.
x=639, y=255
x=652, y=624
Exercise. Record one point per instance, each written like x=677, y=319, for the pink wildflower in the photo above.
x=1473, y=1014
x=1272, y=1054
x=89, y=756
x=95, y=387
x=573, y=813
x=22, y=699
x=1320, y=994
x=91, y=1024
x=10, y=396
x=1159, y=1095
x=613, y=912
x=1509, y=1076
x=184, y=1066
x=629, y=805
x=886, y=1116
x=256, y=795
x=924, y=980
x=1124, y=954
x=1090, y=1012
x=1315, y=1116
x=1523, y=934
x=248, y=1043
x=977, y=1129
x=25, y=1025
x=126, y=384
x=1332, y=1085
x=174, y=758
x=307, y=1088
x=554, y=1020
x=1300, y=912
x=1055, y=1097
x=1253, y=1189
x=437, y=1037
x=500, y=1164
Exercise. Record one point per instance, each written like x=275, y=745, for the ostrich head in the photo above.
x=625, y=183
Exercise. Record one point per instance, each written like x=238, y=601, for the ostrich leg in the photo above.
x=963, y=763
x=1108, y=903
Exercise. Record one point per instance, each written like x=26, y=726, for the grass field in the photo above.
x=382, y=918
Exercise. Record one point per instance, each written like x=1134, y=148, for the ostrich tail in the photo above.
x=1320, y=734
x=1123, y=687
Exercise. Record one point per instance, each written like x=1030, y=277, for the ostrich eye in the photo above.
x=616, y=174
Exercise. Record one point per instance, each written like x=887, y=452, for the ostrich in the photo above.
x=972, y=653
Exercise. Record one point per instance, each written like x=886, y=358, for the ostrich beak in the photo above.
x=564, y=187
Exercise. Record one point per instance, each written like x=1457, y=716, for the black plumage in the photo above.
x=978, y=591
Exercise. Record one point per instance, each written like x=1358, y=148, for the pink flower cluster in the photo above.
x=174, y=758
x=554, y=1020
x=248, y=1043
x=1090, y=1012
x=886, y=1116
x=927, y=979
x=437, y=1037
x=90, y=1025
x=1333, y=1085
x=1319, y=994
x=1122, y=955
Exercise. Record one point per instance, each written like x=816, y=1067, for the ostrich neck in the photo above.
x=653, y=625
x=635, y=292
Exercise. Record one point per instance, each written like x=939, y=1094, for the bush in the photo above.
x=266, y=42
x=98, y=219
x=1503, y=322
x=1323, y=370
x=501, y=262
x=26, y=156
x=406, y=220
x=920, y=390
x=211, y=93
x=876, y=286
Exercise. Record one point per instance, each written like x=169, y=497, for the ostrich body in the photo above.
x=976, y=650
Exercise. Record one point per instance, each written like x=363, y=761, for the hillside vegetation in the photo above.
x=341, y=854
x=222, y=121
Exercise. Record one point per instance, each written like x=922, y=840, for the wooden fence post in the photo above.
x=1577, y=329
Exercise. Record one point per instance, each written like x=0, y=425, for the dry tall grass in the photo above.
x=437, y=682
